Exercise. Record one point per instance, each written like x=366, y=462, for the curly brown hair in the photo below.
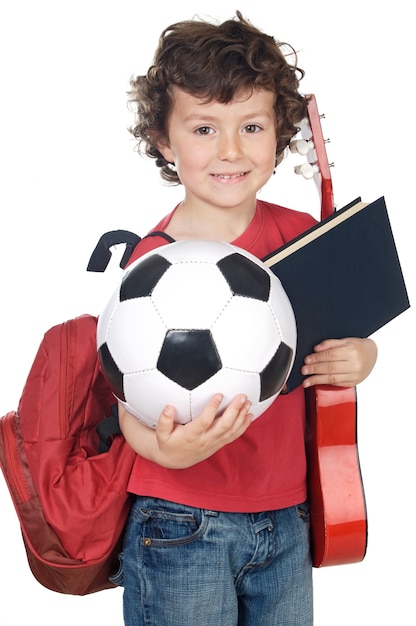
x=214, y=62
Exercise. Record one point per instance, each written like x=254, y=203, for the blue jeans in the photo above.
x=183, y=566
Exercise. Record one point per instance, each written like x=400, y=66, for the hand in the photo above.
x=179, y=446
x=340, y=362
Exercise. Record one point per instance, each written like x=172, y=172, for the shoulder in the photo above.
x=283, y=215
x=154, y=239
x=288, y=222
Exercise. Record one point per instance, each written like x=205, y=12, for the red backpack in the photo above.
x=71, y=498
x=64, y=459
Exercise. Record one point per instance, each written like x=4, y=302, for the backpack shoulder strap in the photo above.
x=160, y=233
x=101, y=254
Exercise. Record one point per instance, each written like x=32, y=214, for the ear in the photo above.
x=166, y=151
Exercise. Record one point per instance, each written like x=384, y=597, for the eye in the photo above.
x=204, y=130
x=251, y=128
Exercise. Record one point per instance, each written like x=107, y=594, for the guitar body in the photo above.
x=336, y=495
x=335, y=488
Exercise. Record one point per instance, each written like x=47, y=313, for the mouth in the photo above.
x=230, y=176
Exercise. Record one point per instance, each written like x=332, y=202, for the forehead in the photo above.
x=254, y=102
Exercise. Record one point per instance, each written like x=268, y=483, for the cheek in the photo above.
x=191, y=159
x=272, y=160
x=186, y=169
x=265, y=151
x=266, y=158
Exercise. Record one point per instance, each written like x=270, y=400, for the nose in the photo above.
x=229, y=147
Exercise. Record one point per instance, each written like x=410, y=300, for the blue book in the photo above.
x=342, y=276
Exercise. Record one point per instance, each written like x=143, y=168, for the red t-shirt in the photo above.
x=265, y=468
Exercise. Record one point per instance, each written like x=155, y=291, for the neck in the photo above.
x=222, y=224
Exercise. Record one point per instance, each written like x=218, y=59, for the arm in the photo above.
x=340, y=362
x=179, y=446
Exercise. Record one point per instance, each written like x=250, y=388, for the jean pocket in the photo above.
x=171, y=525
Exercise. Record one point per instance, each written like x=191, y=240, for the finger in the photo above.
x=207, y=417
x=166, y=422
x=236, y=417
x=334, y=355
x=328, y=344
x=329, y=350
x=238, y=405
x=323, y=367
x=336, y=380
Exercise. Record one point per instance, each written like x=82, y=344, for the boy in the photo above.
x=219, y=532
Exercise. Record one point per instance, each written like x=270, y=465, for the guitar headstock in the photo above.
x=312, y=145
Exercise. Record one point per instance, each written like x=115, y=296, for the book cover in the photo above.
x=342, y=276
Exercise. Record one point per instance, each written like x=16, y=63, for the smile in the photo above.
x=230, y=176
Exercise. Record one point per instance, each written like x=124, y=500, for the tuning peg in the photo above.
x=307, y=170
x=303, y=123
x=301, y=146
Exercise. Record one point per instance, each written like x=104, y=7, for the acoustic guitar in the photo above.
x=336, y=493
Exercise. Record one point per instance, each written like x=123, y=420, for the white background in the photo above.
x=69, y=173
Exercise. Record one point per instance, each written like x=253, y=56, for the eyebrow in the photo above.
x=211, y=118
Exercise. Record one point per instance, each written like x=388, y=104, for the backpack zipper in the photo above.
x=12, y=464
x=67, y=376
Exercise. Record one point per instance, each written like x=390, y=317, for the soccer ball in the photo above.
x=192, y=319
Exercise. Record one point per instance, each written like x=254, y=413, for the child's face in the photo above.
x=223, y=153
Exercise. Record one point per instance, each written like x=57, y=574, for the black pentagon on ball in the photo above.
x=142, y=279
x=273, y=377
x=245, y=277
x=111, y=371
x=189, y=357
